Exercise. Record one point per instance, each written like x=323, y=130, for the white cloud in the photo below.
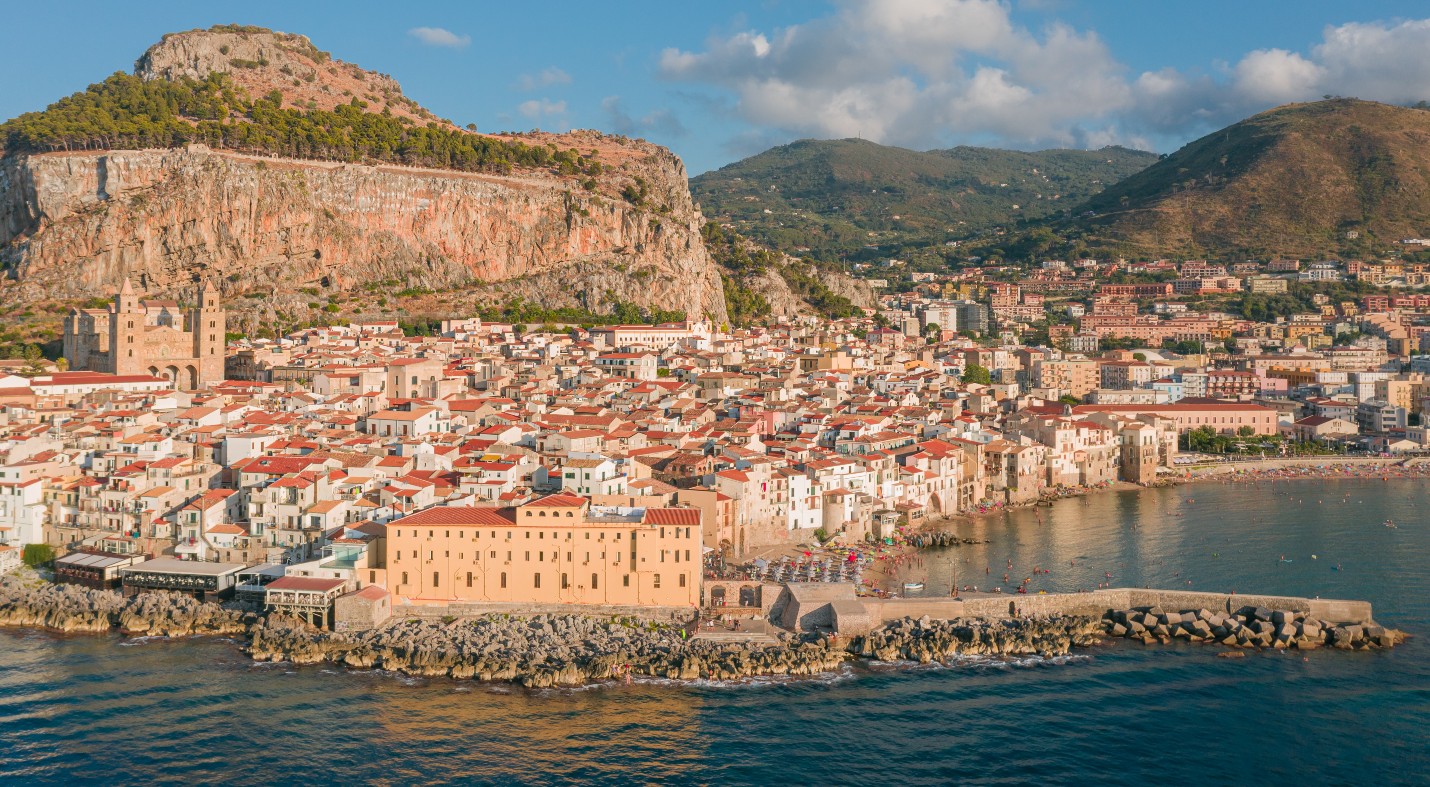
x=538, y=108
x=657, y=121
x=437, y=36
x=546, y=78
x=926, y=73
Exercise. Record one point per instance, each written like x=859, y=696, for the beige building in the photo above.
x=134, y=337
x=1074, y=377
x=555, y=550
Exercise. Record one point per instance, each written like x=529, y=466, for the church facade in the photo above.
x=153, y=337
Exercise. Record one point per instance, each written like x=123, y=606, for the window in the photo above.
x=469, y=579
x=682, y=580
x=536, y=580
x=595, y=582
x=656, y=584
x=404, y=577
x=626, y=580
x=565, y=584
x=435, y=578
x=503, y=579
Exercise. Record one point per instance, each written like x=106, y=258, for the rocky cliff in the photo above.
x=75, y=224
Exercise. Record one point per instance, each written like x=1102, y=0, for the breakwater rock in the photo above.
x=74, y=609
x=1249, y=627
x=941, y=538
x=542, y=650
x=925, y=640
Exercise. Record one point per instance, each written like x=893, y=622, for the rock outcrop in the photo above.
x=72, y=609
x=542, y=650
x=926, y=640
x=74, y=224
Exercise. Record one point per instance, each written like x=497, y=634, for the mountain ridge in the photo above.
x=1297, y=180
x=835, y=197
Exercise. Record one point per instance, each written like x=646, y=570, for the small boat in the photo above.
x=1389, y=523
x=913, y=586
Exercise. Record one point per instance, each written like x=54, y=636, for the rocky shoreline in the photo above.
x=556, y=650
x=73, y=609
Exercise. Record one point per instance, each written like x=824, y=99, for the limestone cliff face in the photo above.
x=76, y=224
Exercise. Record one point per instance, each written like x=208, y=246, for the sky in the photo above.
x=720, y=81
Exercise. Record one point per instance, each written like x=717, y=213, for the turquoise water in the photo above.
x=96, y=710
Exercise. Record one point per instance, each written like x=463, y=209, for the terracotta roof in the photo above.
x=457, y=515
x=672, y=516
x=559, y=501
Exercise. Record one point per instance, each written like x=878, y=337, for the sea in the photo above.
x=105, y=710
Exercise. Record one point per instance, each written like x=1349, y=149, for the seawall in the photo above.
x=835, y=606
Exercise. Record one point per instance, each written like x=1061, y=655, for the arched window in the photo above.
x=503, y=579
x=404, y=577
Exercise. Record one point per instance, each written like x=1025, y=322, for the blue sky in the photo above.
x=718, y=81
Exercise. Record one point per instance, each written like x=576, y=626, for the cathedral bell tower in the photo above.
x=208, y=324
x=126, y=325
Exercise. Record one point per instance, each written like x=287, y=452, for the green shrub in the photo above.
x=36, y=555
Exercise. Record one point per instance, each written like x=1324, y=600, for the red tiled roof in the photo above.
x=672, y=516
x=458, y=515
x=559, y=500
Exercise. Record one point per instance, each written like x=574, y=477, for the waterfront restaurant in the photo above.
x=93, y=569
x=309, y=598
x=203, y=581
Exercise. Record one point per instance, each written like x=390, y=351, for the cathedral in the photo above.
x=151, y=337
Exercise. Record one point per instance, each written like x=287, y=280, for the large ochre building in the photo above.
x=555, y=550
x=154, y=337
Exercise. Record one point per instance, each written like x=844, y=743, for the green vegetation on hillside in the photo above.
x=1339, y=177
x=520, y=312
x=857, y=200
x=125, y=111
x=740, y=259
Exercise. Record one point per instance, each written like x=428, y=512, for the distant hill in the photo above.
x=834, y=198
x=1340, y=176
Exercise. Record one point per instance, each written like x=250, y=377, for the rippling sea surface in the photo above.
x=105, y=710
